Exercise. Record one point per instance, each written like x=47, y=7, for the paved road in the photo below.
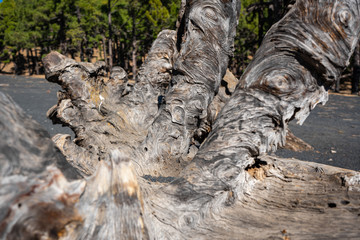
x=333, y=130
x=35, y=96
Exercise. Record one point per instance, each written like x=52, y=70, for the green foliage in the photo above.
x=158, y=15
x=76, y=26
x=246, y=38
x=256, y=18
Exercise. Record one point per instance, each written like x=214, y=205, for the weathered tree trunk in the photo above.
x=175, y=156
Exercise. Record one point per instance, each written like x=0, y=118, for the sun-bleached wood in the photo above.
x=183, y=153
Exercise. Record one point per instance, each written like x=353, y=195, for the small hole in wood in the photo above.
x=145, y=149
x=53, y=233
x=332, y=205
x=19, y=205
x=345, y=202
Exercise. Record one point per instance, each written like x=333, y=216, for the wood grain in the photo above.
x=182, y=154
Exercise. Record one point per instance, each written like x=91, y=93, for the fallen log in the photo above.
x=160, y=160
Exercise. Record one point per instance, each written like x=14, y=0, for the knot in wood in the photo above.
x=189, y=220
x=345, y=17
x=210, y=13
x=178, y=115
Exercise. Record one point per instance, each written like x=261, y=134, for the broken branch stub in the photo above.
x=205, y=38
x=102, y=112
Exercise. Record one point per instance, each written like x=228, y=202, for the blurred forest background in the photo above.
x=119, y=32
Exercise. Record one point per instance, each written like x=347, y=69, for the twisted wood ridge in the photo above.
x=181, y=153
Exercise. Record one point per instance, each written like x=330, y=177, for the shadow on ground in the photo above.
x=333, y=130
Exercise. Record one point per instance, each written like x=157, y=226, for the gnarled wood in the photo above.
x=279, y=85
x=101, y=112
x=228, y=188
x=205, y=39
x=25, y=146
x=198, y=69
x=37, y=201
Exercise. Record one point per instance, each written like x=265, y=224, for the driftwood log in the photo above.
x=181, y=153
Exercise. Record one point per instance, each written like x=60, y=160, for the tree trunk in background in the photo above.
x=261, y=18
x=104, y=48
x=124, y=58
x=134, y=45
x=28, y=61
x=37, y=68
x=182, y=154
x=32, y=60
x=14, y=60
x=82, y=51
x=117, y=51
x=110, y=36
x=78, y=15
x=100, y=51
x=356, y=71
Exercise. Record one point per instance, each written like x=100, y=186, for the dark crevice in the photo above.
x=332, y=205
x=161, y=101
x=225, y=85
x=197, y=26
x=182, y=27
x=258, y=169
x=317, y=70
x=159, y=179
x=258, y=164
x=296, y=110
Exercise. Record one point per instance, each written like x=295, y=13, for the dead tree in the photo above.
x=174, y=156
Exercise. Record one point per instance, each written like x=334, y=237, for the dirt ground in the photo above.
x=332, y=130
